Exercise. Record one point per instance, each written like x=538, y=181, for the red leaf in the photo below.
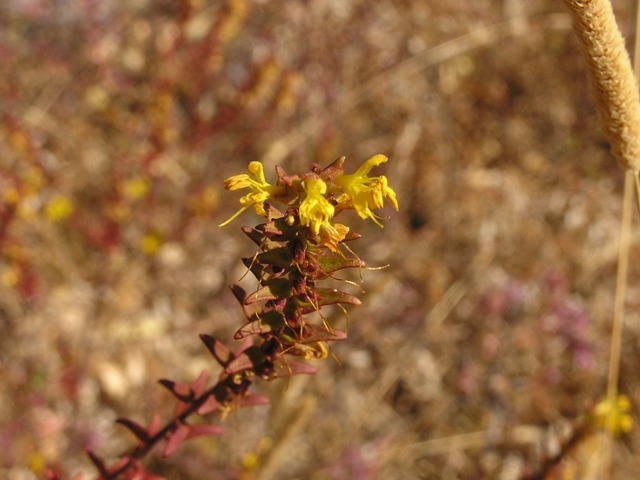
x=332, y=262
x=249, y=358
x=175, y=440
x=252, y=328
x=210, y=405
x=197, y=387
x=244, y=345
x=289, y=369
x=264, y=323
x=121, y=463
x=273, y=289
x=98, y=463
x=318, y=333
x=238, y=364
x=138, y=430
x=201, y=430
x=180, y=390
x=154, y=426
x=238, y=292
x=330, y=296
x=218, y=349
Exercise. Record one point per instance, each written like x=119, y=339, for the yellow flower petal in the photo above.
x=616, y=417
x=59, y=208
x=136, y=188
x=261, y=191
x=150, y=244
x=315, y=210
x=362, y=193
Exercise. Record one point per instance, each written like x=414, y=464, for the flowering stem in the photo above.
x=297, y=249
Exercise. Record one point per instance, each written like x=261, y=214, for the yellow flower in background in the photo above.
x=136, y=188
x=150, y=244
x=261, y=191
x=364, y=193
x=616, y=417
x=37, y=463
x=59, y=208
x=315, y=210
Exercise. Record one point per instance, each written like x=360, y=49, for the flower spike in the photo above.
x=299, y=247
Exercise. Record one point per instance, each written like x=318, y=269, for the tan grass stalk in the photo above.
x=615, y=348
x=616, y=91
x=614, y=84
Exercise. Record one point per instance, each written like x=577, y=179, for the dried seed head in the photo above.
x=614, y=84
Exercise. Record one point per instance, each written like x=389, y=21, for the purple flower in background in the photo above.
x=569, y=320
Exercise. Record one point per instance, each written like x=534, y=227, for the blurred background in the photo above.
x=476, y=351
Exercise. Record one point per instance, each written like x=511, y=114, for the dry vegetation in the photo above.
x=475, y=352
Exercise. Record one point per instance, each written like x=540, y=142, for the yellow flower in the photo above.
x=58, y=208
x=363, y=193
x=261, y=191
x=614, y=418
x=150, y=244
x=136, y=188
x=315, y=210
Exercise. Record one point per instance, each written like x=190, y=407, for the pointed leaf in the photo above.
x=252, y=328
x=98, y=463
x=154, y=425
x=197, y=387
x=267, y=322
x=201, y=430
x=246, y=343
x=238, y=364
x=274, y=289
x=138, y=430
x=319, y=333
x=329, y=296
x=175, y=440
x=181, y=391
x=334, y=169
x=255, y=235
x=251, y=357
x=218, y=349
x=280, y=257
x=274, y=229
x=288, y=369
x=120, y=464
x=256, y=269
x=332, y=262
x=251, y=400
x=238, y=292
x=210, y=405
